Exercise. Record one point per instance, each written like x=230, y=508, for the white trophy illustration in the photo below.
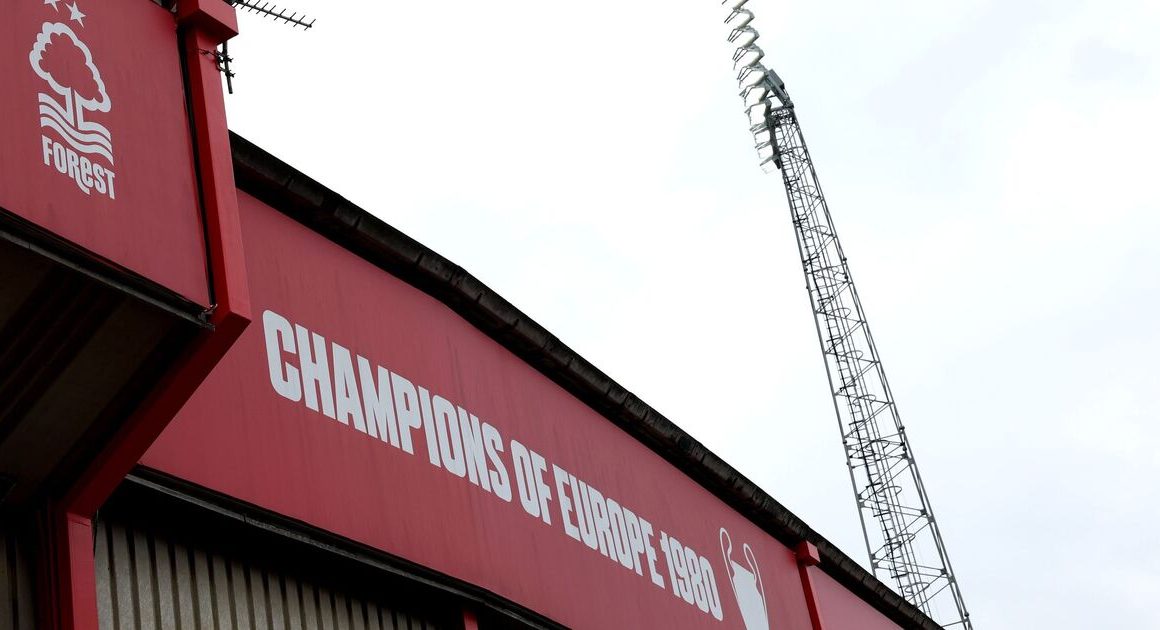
x=747, y=586
x=67, y=118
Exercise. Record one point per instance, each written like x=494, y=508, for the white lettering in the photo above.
x=99, y=173
x=619, y=535
x=348, y=407
x=279, y=338
x=406, y=410
x=73, y=164
x=378, y=408
x=473, y=450
x=600, y=520
x=561, y=477
x=635, y=539
x=450, y=441
x=60, y=158
x=646, y=528
x=386, y=406
x=429, y=426
x=584, y=512
x=524, y=473
x=86, y=174
x=493, y=444
x=315, y=371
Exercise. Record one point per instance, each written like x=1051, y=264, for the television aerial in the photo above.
x=264, y=9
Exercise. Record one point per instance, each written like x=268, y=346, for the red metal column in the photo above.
x=205, y=24
x=71, y=591
x=469, y=620
x=67, y=572
x=807, y=556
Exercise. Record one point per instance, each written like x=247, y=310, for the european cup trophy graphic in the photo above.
x=746, y=583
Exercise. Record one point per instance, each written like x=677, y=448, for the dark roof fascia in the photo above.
x=291, y=192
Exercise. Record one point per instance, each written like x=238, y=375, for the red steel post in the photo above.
x=808, y=556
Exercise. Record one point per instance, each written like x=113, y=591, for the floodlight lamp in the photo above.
x=750, y=76
x=759, y=114
x=744, y=36
x=748, y=56
x=739, y=19
x=759, y=87
x=755, y=95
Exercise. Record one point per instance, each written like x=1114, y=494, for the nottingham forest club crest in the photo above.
x=73, y=102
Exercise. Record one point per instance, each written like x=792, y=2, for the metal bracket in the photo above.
x=222, y=58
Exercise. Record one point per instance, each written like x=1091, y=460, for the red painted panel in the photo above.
x=842, y=610
x=255, y=432
x=96, y=143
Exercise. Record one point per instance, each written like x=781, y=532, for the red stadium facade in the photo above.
x=231, y=399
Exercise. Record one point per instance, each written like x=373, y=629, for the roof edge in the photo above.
x=298, y=196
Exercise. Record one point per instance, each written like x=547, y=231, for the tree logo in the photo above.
x=71, y=141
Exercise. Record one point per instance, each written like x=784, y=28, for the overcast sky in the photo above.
x=991, y=167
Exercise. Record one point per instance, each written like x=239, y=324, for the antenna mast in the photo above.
x=272, y=11
x=265, y=9
x=898, y=525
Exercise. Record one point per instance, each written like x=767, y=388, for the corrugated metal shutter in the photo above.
x=17, y=610
x=146, y=582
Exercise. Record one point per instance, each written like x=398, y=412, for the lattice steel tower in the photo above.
x=902, y=537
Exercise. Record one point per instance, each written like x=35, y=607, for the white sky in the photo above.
x=991, y=166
